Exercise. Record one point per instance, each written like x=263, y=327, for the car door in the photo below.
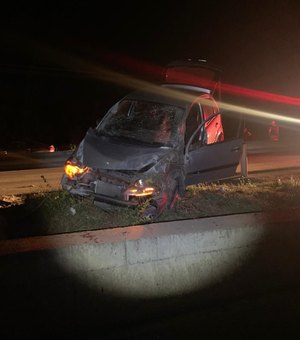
x=208, y=162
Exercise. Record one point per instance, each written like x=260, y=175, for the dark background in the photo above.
x=53, y=56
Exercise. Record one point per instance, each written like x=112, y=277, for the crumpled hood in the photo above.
x=108, y=153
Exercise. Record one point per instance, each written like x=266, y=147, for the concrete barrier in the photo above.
x=123, y=274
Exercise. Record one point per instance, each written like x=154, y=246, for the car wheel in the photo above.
x=151, y=212
x=157, y=206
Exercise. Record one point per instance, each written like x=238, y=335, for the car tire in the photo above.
x=154, y=209
x=151, y=212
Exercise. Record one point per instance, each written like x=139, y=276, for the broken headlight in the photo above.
x=140, y=189
x=73, y=168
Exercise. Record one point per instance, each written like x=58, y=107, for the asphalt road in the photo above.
x=43, y=171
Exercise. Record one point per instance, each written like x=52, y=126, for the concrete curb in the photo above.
x=201, y=226
x=214, y=247
x=103, y=278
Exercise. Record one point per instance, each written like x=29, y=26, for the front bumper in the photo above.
x=102, y=192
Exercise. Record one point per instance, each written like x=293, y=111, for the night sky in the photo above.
x=46, y=95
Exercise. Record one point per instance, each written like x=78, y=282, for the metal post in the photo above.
x=244, y=161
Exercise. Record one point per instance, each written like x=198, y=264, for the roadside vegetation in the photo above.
x=55, y=212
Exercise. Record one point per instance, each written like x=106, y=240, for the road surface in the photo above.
x=263, y=158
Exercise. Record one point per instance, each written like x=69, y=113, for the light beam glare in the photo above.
x=119, y=79
x=129, y=81
x=258, y=113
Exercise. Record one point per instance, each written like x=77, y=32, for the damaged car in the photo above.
x=155, y=142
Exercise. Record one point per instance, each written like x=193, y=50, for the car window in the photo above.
x=192, y=122
x=207, y=111
x=213, y=129
x=142, y=121
x=209, y=108
x=209, y=133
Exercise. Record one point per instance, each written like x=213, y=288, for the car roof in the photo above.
x=173, y=94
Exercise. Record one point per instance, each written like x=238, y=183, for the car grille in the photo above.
x=108, y=189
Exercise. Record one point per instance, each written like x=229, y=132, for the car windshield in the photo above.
x=145, y=122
